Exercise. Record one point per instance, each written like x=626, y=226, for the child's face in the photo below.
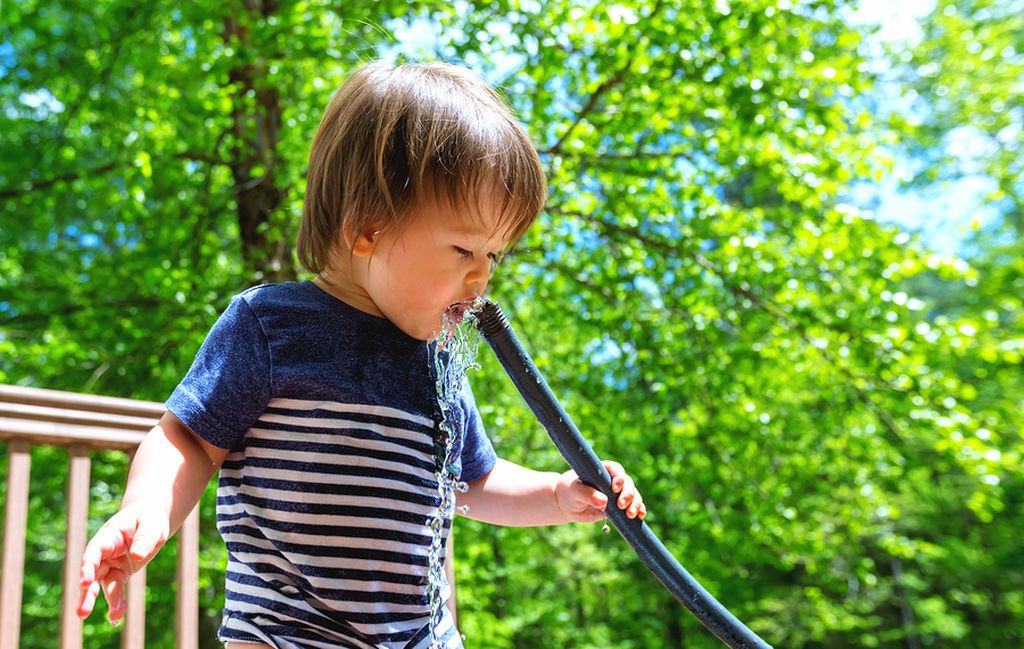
x=434, y=260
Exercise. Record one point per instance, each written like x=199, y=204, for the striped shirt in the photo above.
x=325, y=498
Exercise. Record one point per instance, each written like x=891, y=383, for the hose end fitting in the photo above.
x=491, y=320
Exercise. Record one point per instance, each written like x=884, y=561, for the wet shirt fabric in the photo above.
x=325, y=498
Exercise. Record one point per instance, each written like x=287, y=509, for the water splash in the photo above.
x=453, y=355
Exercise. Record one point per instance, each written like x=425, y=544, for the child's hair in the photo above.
x=396, y=136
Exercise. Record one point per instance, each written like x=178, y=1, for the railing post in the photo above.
x=19, y=462
x=77, y=529
x=133, y=635
x=187, y=609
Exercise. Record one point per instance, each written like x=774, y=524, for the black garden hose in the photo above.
x=581, y=457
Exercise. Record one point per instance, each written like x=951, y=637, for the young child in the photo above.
x=317, y=400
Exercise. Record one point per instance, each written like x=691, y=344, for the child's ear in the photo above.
x=361, y=244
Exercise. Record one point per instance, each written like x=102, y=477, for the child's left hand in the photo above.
x=582, y=504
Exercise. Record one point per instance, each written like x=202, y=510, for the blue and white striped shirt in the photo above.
x=324, y=500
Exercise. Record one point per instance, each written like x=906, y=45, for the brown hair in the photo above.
x=395, y=136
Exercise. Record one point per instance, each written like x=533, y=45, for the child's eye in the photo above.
x=494, y=258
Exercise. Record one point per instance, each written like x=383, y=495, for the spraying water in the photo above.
x=451, y=357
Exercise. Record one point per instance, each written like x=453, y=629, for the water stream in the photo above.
x=452, y=356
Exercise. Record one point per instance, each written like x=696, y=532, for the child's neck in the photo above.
x=339, y=280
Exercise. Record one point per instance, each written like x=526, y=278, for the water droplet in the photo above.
x=605, y=528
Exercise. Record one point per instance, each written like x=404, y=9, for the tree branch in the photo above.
x=615, y=79
x=29, y=186
x=605, y=86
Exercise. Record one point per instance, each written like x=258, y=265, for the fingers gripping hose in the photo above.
x=577, y=452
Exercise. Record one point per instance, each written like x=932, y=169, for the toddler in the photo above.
x=317, y=400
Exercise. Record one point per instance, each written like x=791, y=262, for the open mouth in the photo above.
x=457, y=312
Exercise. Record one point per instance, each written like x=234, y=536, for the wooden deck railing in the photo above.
x=81, y=423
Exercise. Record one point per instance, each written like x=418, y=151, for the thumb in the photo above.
x=150, y=535
x=587, y=496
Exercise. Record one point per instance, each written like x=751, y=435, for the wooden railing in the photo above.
x=81, y=423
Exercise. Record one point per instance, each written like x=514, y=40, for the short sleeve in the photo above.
x=478, y=456
x=228, y=386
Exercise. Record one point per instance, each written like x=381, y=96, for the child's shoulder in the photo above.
x=293, y=299
x=272, y=295
x=298, y=303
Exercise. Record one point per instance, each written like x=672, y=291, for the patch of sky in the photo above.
x=602, y=350
x=582, y=239
x=568, y=227
x=592, y=185
x=556, y=251
x=620, y=14
x=89, y=240
x=73, y=233
x=712, y=73
x=419, y=38
x=669, y=230
x=944, y=214
x=685, y=167
x=703, y=156
x=41, y=104
x=8, y=58
x=125, y=239
x=190, y=42
x=650, y=290
x=890, y=22
x=615, y=356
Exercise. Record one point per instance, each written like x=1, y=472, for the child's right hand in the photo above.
x=123, y=545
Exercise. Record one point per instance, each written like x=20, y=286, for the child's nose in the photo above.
x=478, y=277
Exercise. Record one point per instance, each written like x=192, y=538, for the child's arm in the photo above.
x=514, y=495
x=168, y=475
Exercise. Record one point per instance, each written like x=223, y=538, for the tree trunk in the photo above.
x=256, y=121
x=906, y=612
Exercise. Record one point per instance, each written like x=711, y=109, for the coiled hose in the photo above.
x=496, y=330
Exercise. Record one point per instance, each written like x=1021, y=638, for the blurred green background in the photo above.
x=779, y=277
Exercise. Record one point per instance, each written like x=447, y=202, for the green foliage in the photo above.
x=823, y=417
x=965, y=81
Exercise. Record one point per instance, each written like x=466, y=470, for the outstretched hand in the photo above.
x=583, y=504
x=124, y=544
